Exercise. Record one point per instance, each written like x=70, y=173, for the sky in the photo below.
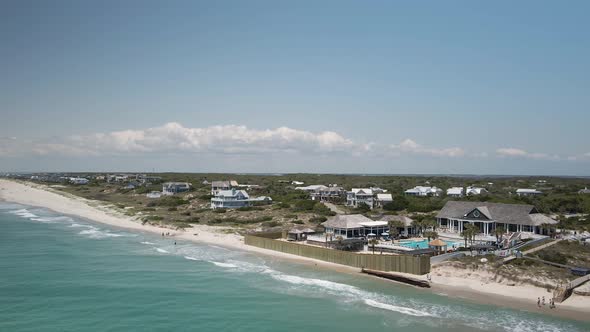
x=388, y=87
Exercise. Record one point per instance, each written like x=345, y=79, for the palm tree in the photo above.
x=418, y=224
x=373, y=242
x=394, y=226
x=473, y=230
x=499, y=233
x=431, y=234
x=466, y=235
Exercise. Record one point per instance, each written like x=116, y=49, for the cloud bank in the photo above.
x=174, y=138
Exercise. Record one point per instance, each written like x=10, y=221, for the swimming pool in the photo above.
x=423, y=244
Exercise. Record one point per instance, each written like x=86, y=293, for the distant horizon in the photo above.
x=306, y=173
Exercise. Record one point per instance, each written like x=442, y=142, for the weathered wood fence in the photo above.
x=398, y=263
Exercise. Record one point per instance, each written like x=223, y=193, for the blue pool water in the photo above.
x=423, y=244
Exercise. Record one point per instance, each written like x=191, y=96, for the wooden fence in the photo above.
x=398, y=263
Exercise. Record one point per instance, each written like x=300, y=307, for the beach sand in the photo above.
x=446, y=280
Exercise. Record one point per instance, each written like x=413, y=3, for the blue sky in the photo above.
x=364, y=87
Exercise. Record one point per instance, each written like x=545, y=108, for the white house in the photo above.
x=297, y=183
x=383, y=199
x=227, y=199
x=153, y=194
x=455, y=192
x=312, y=188
x=472, y=191
x=528, y=192
x=232, y=199
x=377, y=190
x=78, y=180
x=584, y=191
x=358, y=196
x=325, y=194
x=171, y=188
x=424, y=191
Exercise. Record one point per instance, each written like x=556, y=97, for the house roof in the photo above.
x=404, y=219
x=232, y=193
x=384, y=197
x=455, y=191
x=584, y=191
x=438, y=243
x=365, y=191
x=522, y=214
x=218, y=184
x=346, y=221
x=528, y=191
x=312, y=187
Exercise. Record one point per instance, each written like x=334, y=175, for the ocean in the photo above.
x=63, y=273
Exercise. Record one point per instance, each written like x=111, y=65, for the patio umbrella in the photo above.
x=371, y=234
x=385, y=234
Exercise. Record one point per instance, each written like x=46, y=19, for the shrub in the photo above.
x=186, y=213
x=318, y=219
x=219, y=210
x=172, y=208
x=271, y=224
x=297, y=221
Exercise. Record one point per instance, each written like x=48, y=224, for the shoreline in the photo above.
x=467, y=289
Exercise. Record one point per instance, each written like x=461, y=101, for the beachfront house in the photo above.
x=528, y=192
x=584, y=191
x=424, y=191
x=233, y=199
x=171, y=188
x=228, y=199
x=354, y=226
x=455, y=192
x=455, y=215
x=358, y=196
x=297, y=183
x=473, y=191
x=383, y=199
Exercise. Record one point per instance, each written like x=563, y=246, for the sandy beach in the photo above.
x=446, y=280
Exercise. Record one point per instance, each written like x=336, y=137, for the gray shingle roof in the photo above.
x=346, y=221
x=503, y=213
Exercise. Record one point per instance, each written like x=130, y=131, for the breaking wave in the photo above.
x=391, y=307
x=160, y=250
x=220, y=264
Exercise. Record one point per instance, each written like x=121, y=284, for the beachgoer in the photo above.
x=162, y=234
x=539, y=302
x=543, y=300
x=174, y=242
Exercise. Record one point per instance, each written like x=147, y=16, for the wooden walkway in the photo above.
x=562, y=293
x=541, y=247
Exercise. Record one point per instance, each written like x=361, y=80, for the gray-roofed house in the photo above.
x=528, y=192
x=326, y=194
x=584, y=191
x=455, y=215
x=217, y=186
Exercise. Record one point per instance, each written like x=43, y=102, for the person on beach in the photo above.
x=543, y=300
x=539, y=302
x=162, y=234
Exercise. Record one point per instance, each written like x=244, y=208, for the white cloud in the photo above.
x=514, y=152
x=173, y=137
x=410, y=146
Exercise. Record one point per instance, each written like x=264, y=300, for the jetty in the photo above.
x=398, y=277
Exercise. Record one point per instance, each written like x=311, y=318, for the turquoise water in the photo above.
x=59, y=273
x=423, y=244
